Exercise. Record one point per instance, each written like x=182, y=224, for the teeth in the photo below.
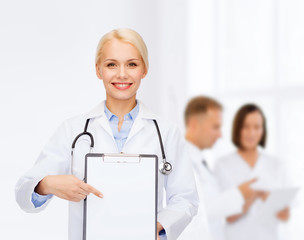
x=122, y=84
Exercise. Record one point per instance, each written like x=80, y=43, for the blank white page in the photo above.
x=128, y=209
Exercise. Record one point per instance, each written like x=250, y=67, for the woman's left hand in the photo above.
x=284, y=214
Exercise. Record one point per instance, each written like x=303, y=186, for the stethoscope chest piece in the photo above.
x=165, y=168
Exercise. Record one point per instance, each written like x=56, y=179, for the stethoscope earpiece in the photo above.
x=165, y=168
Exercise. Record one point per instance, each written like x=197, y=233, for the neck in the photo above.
x=120, y=107
x=189, y=137
x=249, y=155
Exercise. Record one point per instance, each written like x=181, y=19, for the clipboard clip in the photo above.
x=121, y=158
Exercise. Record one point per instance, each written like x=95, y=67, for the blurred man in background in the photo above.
x=203, y=119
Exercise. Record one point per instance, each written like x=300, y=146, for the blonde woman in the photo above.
x=121, y=123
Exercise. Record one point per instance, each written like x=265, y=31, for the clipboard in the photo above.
x=129, y=208
x=278, y=200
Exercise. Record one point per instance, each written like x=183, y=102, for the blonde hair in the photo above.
x=125, y=35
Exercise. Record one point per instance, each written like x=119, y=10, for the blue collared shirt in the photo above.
x=119, y=136
x=122, y=135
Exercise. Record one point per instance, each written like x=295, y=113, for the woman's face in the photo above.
x=252, y=131
x=121, y=68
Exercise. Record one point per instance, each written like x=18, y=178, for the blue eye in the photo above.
x=132, y=64
x=111, y=65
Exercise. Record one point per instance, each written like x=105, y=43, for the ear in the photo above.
x=98, y=73
x=192, y=122
x=145, y=73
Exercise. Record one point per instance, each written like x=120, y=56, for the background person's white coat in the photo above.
x=231, y=171
x=215, y=205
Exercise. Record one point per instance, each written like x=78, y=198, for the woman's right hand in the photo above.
x=246, y=190
x=67, y=187
x=250, y=196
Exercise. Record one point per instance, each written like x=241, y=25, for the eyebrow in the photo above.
x=132, y=59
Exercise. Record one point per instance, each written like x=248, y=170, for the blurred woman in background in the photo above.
x=250, y=161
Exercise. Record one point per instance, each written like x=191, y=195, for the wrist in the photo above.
x=242, y=192
x=42, y=187
x=159, y=227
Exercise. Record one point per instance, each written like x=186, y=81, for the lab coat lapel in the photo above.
x=98, y=112
x=137, y=126
x=140, y=121
x=103, y=121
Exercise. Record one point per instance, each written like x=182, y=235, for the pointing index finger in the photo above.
x=93, y=190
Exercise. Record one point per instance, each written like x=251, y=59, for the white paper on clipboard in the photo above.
x=129, y=208
x=278, y=200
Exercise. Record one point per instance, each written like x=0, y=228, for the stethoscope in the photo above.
x=164, y=167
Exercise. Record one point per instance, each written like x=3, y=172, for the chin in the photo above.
x=250, y=147
x=122, y=96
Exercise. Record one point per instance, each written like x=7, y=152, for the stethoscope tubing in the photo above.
x=164, y=167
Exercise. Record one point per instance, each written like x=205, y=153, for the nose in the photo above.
x=252, y=132
x=122, y=72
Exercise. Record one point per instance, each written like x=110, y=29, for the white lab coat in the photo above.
x=231, y=171
x=55, y=159
x=215, y=205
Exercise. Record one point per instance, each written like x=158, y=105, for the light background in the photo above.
x=236, y=51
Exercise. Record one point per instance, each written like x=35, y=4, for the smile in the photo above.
x=122, y=86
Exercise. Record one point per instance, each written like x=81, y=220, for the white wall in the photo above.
x=47, y=75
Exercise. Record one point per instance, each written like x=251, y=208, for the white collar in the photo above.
x=144, y=112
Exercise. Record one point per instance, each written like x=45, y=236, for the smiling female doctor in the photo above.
x=119, y=124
